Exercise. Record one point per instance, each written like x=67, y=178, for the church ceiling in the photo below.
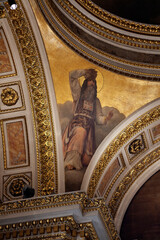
x=144, y=11
x=41, y=50
x=114, y=43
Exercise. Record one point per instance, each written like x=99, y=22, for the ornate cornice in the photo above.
x=106, y=32
x=50, y=228
x=54, y=201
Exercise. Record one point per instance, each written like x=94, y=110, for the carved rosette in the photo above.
x=35, y=77
x=16, y=187
x=9, y=96
x=135, y=146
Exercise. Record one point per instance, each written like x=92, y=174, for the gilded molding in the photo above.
x=132, y=129
x=41, y=109
x=107, y=33
x=68, y=199
x=130, y=178
x=102, y=63
x=117, y=21
x=53, y=228
x=3, y=145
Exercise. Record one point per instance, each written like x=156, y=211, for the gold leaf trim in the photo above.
x=107, y=33
x=92, y=58
x=35, y=77
x=117, y=21
x=54, y=201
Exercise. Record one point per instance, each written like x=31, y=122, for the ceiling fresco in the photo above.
x=117, y=94
x=79, y=118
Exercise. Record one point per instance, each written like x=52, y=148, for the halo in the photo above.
x=99, y=80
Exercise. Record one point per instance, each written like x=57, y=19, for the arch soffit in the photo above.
x=126, y=159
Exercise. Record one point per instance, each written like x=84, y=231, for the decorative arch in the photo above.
x=126, y=158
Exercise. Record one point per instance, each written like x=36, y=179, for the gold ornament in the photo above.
x=9, y=96
x=135, y=146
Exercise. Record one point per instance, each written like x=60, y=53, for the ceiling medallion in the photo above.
x=135, y=146
x=9, y=96
x=16, y=187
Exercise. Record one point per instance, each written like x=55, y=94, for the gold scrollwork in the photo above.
x=117, y=21
x=93, y=58
x=40, y=103
x=54, y=201
x=53, y=228
x=135, y=146
x=105, y=32
x=9, y=96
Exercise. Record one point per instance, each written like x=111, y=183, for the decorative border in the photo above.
x=132, y=129
x=89, y=55
x=117, y=21
x=105, y=32
x=3, y=145
x=40, y=103
x=2, y=11
x=113, y=182
x=68, y=199
x=53, y=228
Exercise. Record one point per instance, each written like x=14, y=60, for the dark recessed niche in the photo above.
x=144, y=11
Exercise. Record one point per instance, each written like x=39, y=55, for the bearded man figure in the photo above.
x=79, y=136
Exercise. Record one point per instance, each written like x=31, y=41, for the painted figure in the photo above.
x=79, y=136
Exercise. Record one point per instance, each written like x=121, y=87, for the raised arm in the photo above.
x=74, y=83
